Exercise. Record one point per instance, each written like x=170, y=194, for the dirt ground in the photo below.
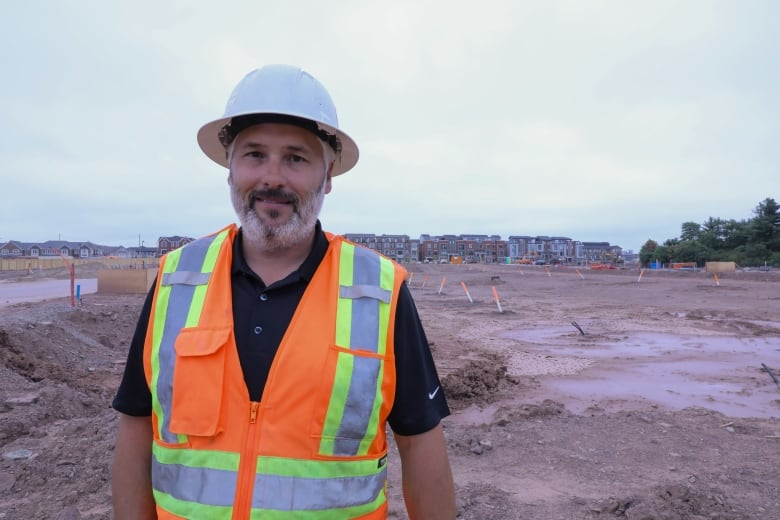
x=586, y=395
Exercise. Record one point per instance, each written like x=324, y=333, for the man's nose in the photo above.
x=272, y=173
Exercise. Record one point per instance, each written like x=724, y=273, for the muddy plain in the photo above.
x=577, y=395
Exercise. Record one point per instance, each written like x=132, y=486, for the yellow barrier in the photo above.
x=125, y=281
x=720, y=267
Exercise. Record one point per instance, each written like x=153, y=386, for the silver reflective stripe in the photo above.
x=213, y=487
x=191, y=259
x=365, y=311
x=364, y=335
x=365, y=291
x=359, y=405
x=314, y=494
x=185, y=278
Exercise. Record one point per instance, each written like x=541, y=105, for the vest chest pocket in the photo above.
x=198, y=380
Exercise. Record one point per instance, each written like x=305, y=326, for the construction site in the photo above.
x=575, y=393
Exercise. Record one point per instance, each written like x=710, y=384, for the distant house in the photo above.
x=16, y=249
x=601, y=252
x=120, y=252
x=12, y=249
x=168, y=244
x=143, y=252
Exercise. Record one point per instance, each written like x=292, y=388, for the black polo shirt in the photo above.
x=261, y=315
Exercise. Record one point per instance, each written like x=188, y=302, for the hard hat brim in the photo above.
x=208, y=140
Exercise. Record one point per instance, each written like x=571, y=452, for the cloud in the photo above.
x=594, y=120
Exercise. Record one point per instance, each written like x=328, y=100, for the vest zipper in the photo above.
x=247, y=467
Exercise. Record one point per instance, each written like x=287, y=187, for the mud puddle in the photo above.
x=721, y=373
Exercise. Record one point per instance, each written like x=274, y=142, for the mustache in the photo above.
x=276, y=194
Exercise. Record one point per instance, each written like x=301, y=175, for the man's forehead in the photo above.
x=267, y=134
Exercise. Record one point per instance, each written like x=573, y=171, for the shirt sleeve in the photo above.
x=133, y=396
x=420, y=403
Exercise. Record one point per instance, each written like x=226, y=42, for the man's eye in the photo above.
x=297, y=159
x=256, y=155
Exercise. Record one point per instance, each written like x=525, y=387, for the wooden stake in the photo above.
x=463, y=284
x=498, y=303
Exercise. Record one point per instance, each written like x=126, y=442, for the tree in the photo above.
x=766, y=224
x=713, y=233
x=692, y=251
x=662, y=254
x=690, y=231
x=646, y=252
x=735, y=234
x=747, y=242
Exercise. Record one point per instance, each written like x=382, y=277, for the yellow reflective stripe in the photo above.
x=199, y=296
x=342, y=339
x=338, y=399
x=185, y=509
x=287, y=467
x=223, y=460
x=373, y=421
x=160, y=308
x=344, y=309
x=386, y=281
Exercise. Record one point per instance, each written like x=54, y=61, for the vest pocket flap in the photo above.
x=199, y=380
x=194, y=342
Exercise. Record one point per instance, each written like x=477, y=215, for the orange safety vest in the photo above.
x=315, y=445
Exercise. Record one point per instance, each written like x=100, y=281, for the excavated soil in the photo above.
x=578, y=395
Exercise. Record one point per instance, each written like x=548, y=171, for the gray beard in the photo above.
x=268, y=236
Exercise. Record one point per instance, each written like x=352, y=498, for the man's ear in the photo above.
x=328, y=185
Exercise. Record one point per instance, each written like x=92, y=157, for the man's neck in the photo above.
x=272, y=266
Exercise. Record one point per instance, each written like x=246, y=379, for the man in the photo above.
x=268, y=359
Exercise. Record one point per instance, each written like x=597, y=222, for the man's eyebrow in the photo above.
x=289, y=147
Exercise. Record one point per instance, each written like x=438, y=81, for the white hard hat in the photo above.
x=280, y=94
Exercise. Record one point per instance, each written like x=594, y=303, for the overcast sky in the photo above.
x=600, y=121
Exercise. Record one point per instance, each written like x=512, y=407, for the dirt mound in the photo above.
x=480, y=381
x=59, y=369
x=674, y=501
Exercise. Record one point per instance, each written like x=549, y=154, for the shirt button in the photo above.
x=263, y=297
x=258, y=330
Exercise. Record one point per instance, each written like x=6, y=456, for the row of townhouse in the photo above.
x=488, y=248
x=564, y=250
x=18, y=249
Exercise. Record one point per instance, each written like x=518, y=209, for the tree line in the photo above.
x=749, y=242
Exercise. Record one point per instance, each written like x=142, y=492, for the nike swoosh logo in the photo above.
x=433, y=394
